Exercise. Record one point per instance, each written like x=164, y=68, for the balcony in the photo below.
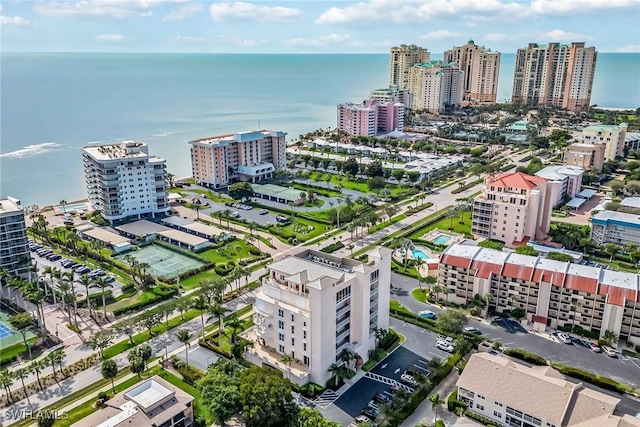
x=342, y=335
x=344, y=308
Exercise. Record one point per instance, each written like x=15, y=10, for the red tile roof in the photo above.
x=455, y=261
x=618, y=295
x=515, y=180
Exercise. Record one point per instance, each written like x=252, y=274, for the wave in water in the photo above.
x=32, y=150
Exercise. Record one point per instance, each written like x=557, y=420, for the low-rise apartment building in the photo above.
x=123, y=180
x=14, y=245
x=613, y=137
x=586, y=156
x=313, y=306
x=562, y=181
x=253, y=156
x=514, y=394
x=551, y=293
x=615, y=227
x=513, y=208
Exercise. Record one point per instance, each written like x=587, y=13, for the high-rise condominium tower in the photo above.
x=481, y=67
x=401, y=60
x=555, y=74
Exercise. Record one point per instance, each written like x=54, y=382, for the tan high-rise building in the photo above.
x=401, y=60
x=481, y=67
x=555, y=74
x=436, y=85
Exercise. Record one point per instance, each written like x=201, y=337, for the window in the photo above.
x=281, y=348
x=497, y=414
x=293, y=341
x=293, y=319
x=304, y=334
x=293, y=329
x=280, y=336
x=280, y=324
x=280, y=311
x=479, y=406
x=375, y=275
x=304, y=346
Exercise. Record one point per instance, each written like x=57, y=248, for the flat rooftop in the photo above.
x=10, y=205
x=226, y=139
x=105, y=236
x=142, y=228
x=118, y=150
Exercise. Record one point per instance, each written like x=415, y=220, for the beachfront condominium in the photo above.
x=554, y=74
x=314, y=306
x=512, y=393
x=550, y=293
x=14, y=247
x=513, y=208
x=370, y=118
x=393, y=94
x=437, y=86
x=401, y=60
x=612, y=137
x=481, y=67
x=124, y=181
x=586, y=156
x=252, y=156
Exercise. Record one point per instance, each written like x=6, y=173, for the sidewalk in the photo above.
x=424, y=411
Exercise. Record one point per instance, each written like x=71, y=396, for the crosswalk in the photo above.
x=326, y=399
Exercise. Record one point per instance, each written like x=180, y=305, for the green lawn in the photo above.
x=138, y=297
x=232, y=251
x=321, y=191
x=318, y=229
x=387, y=223
x=444, y=225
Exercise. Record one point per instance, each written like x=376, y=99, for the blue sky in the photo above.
x=368, y=26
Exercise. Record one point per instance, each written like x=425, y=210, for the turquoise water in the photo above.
x=418, y=254
x=53, y=104
x=441, y=240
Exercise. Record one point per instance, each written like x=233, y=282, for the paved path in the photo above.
x=425, y=411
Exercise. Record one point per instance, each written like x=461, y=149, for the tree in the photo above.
x=376, y=183
x=101, y=282
x=610, y=337
x=559, y=256
x=241, y=191
x=109, y=371
x=22, y=322
x=127, y=327
x=86, y=281
x=138, y=358
x=451, y=214
x=616, y=187
x=491, y=244
x=309, y=417
x=436, y=401
x=6, y=381
x=184, y=336
x=451, y=321
x=266, y=398
x=220, y=391
x=351, y=166
x=287, y=359
x=338, y=373
x=398, y=174
x=200, y=303
x=22, y=374
x=526, y=250
x=100, y=341
x=234, y=325
x=36, y=367
x=149, y=319
x=611, y=249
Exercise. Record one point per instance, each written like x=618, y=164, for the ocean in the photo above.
x=53, y=104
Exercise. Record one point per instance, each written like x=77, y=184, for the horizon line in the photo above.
x=239, y=53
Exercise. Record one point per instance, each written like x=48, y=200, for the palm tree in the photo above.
x=63, y=203
x=436, y=401
x=575, y=305
x=22, y=374
x=101, y=282
x=218, y=311
x=287, y=359
x=58, y=357
x=184, y=336
x=234, y=325
x=36, y=367
x=66, y=289
x=338, y=373
x=6, y=381
x=182, y=306
x=200, y=303
x=437, y=289
x=4, y=275
x=34, y=295
x=86, y=281
x=610, y=337
x=110, y=370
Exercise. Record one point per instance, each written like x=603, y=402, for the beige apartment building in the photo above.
x=612, y=137
x=481, y=67
x=520, y=395
x=551, y=293
x=513, y=208
x=313, y=306
x=253, y=156
x=554, y=74
x=436, y=86
x=401, y=60
x=586, y=156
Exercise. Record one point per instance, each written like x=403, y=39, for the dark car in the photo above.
x=381, y=398
x=370, y=413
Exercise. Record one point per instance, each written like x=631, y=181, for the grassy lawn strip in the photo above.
x=419, y=295
x=385, y=224
x=444, y=224
x=143, y=336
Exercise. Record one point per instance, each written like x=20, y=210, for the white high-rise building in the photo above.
x=313, y=306
x=123, y=180
x=436, y=86
x=14, y=247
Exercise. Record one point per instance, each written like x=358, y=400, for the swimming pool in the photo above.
x=418, y=254
x=441, y=239
x=75, y=207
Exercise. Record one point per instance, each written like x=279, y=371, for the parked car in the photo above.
x=375, y=405
x=609, y=351
x=381, y=398
x=595, y=347
x=55, y=257
x=361, y=419
x=445, y=346
x=564, y=338
x=427, y=314
x=473, y=330
x=263, y=211
x=445, y=339
x=370, y=413
x=408, y=378
x=235, y=214
x=82, y=269
x=109, y=279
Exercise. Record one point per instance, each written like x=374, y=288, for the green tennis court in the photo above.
x=164, y=262
x=8, y=336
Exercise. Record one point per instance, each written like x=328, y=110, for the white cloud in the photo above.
x=321, y=41
x=629, y=48
x=251, y=12
x=12, y=21
x=112, y=38
x=418, y=11
x=439, y=34
x=561, y=35
x=552, y=36
x=117, y=9
x=187, y=39
x=183, y=12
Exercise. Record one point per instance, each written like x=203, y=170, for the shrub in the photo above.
x=102, y=396
x=466, y=186
x=526, y=356
x=223, y=269
x=255, y=251
x=388, y=340
x=189, y=374
x=606, y=383
x=453, y=402
x=332, y=247
x=479, y=418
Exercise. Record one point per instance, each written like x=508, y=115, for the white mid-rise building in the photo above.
x=123, y=180
x=313, y=306
x=14, y=247
x=562, y=181
x=253, y=156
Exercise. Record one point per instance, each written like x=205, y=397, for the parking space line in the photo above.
x=435, y=354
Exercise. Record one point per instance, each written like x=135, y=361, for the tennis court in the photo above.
x=164, y=262
x=8, y=336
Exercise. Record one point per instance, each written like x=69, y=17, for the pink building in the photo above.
x=370, y=118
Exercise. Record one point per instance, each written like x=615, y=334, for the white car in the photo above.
x=445, y=346
x=564, y=338
x=408, y=379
